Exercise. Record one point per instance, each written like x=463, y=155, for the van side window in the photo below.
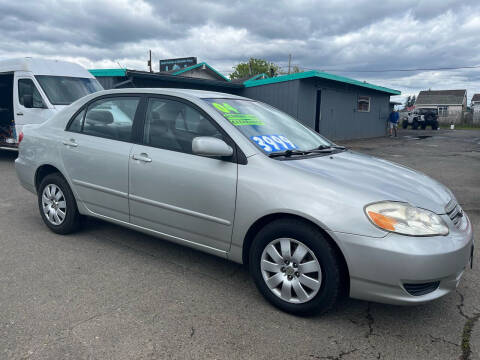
x=110, y=118
x=27, y=87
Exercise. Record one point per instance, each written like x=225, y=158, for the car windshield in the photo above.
x=268, y=128
x=64, y=90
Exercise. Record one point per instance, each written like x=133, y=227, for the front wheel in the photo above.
x=57, y=204
x=295, y=267
x=415, y=124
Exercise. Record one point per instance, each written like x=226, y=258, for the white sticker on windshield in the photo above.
x=272, y=143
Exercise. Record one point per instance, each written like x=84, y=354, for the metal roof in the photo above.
x=441, y=97
x=322, y=75
x=476, y=97
x=184, y=70
x=256, y=80
x=184, y=79
x=108, y=72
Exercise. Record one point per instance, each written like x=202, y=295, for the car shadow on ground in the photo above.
x=231, y=274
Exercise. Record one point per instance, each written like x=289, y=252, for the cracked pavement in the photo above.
x=111, y=293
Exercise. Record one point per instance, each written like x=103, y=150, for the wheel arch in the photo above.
x=263, y=221
x=44, y=170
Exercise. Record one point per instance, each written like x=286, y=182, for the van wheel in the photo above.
x=295, y=267
x=57, y=204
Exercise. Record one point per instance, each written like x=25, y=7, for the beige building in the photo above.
x=451, y=104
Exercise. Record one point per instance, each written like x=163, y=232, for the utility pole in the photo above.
x=289, y=62
x=150, y=60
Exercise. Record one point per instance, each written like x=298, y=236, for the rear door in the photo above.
x=95, y=153
x=187, y=197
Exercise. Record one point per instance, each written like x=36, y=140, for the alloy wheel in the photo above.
x=54, y=204
x=291, y=270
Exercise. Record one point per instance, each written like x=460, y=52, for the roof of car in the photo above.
x=201, y=94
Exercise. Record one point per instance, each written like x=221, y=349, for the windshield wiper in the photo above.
x=288, y=153
x=327, y=148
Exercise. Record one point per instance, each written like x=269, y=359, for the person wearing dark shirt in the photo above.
x=393, y=123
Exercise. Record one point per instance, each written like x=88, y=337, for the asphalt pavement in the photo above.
x=112, y=293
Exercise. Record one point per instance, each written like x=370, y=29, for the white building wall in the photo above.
x=476, y=112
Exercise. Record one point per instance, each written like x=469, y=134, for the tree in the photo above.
x=414, y=98
x=254, y=67
x=407, y=103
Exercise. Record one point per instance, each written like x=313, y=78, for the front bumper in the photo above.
x=380, y=267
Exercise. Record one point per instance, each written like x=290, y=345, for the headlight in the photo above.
x=405, y=219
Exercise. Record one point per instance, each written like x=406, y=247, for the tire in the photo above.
x=70, y=221
x=415, y=124
x=423, y=126
x=329, y=285
x=435, y=125
x=404, y=124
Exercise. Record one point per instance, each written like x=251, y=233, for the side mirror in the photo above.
x=27, y=100
x=210, y=146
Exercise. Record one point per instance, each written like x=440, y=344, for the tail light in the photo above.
x=20, y=137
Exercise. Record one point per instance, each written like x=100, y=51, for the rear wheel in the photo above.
x=295, y=267
x=57, y=204
x=435, y=125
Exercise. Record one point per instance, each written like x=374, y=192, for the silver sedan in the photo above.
x=242, y=180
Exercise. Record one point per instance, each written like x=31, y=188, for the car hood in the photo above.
x=377, y=179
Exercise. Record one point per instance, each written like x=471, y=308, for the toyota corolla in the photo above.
x=242, y=180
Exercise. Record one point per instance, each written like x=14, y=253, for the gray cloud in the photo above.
x=330, y=35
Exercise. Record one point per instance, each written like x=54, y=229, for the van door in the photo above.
x=41, y=110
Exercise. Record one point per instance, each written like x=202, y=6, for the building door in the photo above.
x=318, y=113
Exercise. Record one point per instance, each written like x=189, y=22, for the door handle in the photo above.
x=19, y=113
x=70, y=142
x=141, y=157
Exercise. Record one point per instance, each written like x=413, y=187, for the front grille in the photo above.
x=421, y=289
x=454, y=212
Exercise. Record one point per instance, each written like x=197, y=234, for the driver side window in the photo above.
x=172, y=125
x=27, y=87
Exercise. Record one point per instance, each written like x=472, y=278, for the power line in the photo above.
x=395, y=70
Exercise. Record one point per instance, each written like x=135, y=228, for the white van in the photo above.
x=32, y=90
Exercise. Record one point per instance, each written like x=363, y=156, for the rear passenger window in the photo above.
x=76, y=124
x=110, y=118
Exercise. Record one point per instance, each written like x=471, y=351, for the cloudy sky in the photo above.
x=346, y=37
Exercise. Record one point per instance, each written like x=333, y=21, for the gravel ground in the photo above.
x=111, y=293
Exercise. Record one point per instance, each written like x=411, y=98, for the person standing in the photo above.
x=393, y=122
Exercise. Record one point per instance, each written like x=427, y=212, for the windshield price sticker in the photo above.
x=272, y=143
x=235, y=117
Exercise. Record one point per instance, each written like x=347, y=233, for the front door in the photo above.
x=95, y=153
x=187, y=197
x=25, y=84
